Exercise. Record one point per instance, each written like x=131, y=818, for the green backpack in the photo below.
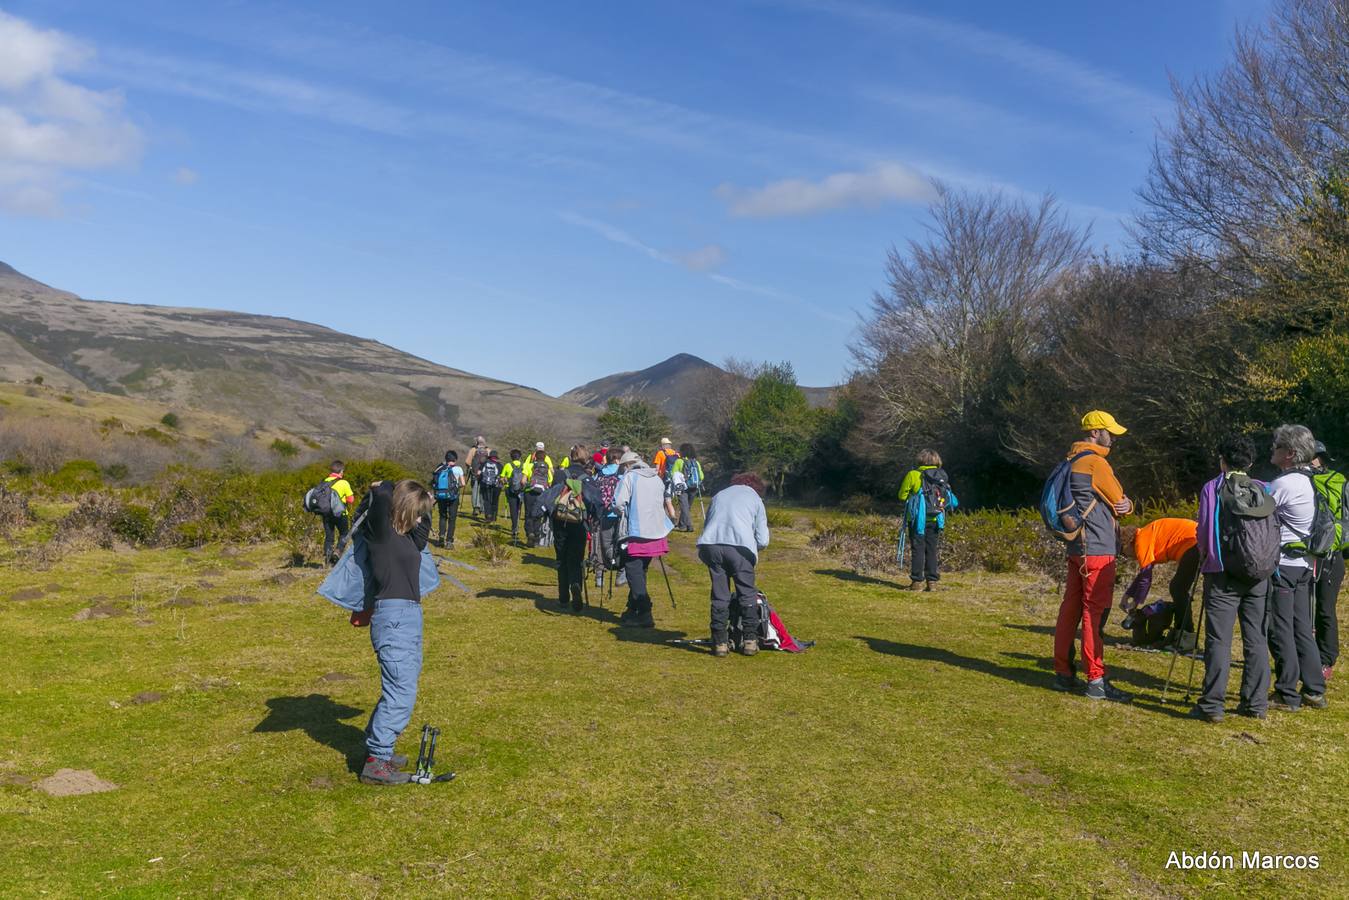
x=1333, y=489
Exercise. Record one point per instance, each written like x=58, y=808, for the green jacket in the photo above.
x=913, y=482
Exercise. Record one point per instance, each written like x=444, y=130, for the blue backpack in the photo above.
x=693, y=473
x=445, y=485
x=1058, y=507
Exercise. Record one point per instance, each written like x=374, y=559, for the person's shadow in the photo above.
x=845, y=575
x=319, y=717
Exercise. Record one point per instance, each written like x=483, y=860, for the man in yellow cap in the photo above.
x=1099, y=500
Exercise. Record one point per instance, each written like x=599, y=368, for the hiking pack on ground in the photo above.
x=490, y=473
x=1248, y=531
x=773, y=635
x=444, y=484
x=1058, y=507
x=323, y=500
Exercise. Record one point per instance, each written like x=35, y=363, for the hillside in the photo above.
x=262, y=370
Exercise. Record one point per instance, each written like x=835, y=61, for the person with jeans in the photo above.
x=397, y=526
x=926, y=493
x=1331, y=575
x=1099, y=500
x=1292, y=641
x=735, y=533
x=335, y=527
x=447, y=483
x=1229, y=598
x=641, y=502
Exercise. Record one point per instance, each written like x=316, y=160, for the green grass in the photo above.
x=915, y=750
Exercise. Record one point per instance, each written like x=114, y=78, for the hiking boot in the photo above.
x=622, y=578
x=577, y=606
x=382, y=772
x=929, y=586
x=915, y=585
x=1281, y=705
x=1202, y=716
x=1315, y=701
x=643, y=619
x=1249, y=713
x=398, y=760
x=1069, y=684
x=720, y=650
x=1100, y=689
x=749, y=647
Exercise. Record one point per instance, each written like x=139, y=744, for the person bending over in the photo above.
x=735, y=533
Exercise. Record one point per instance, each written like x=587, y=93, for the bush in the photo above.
x=285, y=449
x=494, y=545
x=170, y=420
x=75, y=477
x=14, y=511
x=780, y=518
x=858, y=504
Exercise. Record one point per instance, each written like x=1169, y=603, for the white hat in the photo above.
x=664, y=441
x=630, y=458
x=539, y=445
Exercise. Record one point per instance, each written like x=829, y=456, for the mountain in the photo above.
x=271, y=371
x=670, y=386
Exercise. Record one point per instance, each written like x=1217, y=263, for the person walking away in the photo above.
x=601, y=456
x=538, y=477
x=1236, y=589
x=1099, y=500
x=735, y=533
x=513, y=480
x=1292, y=641
x=1330, y=483
x=447, y=483
x=599, y=491
x=927, y=495
x=681, y=488
x=641, y=502
x=335, y=527
x=666, y=450
x=397, y=526
x=476, y=457
x=569, y=533
x=1161, y=541
x=489, y=476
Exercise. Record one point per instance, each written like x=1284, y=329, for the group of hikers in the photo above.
x=1270, y=552
x=610, y=510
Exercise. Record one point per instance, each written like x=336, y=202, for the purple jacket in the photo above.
x=1206, y=535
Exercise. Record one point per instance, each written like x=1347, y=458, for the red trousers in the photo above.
x=1090, y=591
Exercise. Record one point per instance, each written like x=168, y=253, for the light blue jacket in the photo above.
x=641, y=498
x=351, y=586
x=737, y=518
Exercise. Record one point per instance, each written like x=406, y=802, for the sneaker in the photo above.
x=1070, y=684
x=383, y=772
x=1202, y=716
x=720, y=650
x=1315, y=701
x=749, y=648
x=643, y=619
x=1100, y=689
x=1250, y=713
x=622, y=578
x=1279, y=704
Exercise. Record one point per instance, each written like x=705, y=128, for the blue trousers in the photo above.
x=396, y=635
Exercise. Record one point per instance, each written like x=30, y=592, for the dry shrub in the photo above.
x=14, y=511
x=43, y=446
x=418, y=446
x=494, y=546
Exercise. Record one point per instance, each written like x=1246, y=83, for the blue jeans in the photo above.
x=396, y=635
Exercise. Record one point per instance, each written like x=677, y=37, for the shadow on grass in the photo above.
x=320, y=718
x=550, y=607
x=660, y=637
x=845, y=575
x=510, y=594
x=534, y=559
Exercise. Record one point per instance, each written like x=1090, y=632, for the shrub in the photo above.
x=14, y=511
x=493, y=544
x=780, y=518
x=284, y=448
x=75, y=477
x=135, y=524
x=170, y=420
x=858, y=504
x=38, y=379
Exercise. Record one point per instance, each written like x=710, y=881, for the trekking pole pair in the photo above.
x=1176, y=645
x=426, y=759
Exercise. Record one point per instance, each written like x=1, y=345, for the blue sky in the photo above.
x=719, y=177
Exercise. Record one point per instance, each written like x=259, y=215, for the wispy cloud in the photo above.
x=704, y=259
x=185, y=176
x=882, y=183
x=49, y=125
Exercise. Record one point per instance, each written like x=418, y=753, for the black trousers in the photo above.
x=569, y=542
x=1227, y=600
x=449, y=514
x=532, y=499
x=491, y=501
x=728, y=564
x=514, y=502
x=923, y=564
x=334, y=529
x=1326, y=623
x=685, y=511
x=635, y=568
x=1292, y=642
x=1182, y=587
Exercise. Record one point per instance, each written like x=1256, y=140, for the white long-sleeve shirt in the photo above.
x=737, y=518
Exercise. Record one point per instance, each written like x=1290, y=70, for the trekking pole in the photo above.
x=1199, y=629
x=700, y=504
x=1175, y=645
x=661, y=560
x=421, y=752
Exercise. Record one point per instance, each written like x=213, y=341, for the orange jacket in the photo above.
x=1165, y=540
x=659, y=462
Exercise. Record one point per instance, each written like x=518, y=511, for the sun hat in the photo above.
x=664, y=441
x=1099, y=419
x=629, y=458
x=539, y=445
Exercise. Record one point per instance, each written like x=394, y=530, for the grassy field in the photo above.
x=916, y=749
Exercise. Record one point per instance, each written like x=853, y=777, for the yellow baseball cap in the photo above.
x=1098, y=419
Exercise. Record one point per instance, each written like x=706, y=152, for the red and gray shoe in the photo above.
x=383, y=772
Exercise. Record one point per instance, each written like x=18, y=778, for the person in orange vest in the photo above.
x=658, y=461
x=1161, y=541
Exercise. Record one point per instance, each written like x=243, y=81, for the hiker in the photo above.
x=513, y=478
x=335, y=527
x=599, y=490
x=927, y=495
x=1235, y=589
x=735, y=533
x=489, y=480
x=578, y=454
x=666, y=450
x=1161, y=541
x=447, y=482
x=1330, y=483
x=601, y=456
x=569, y=530
x=476, y=457
x=538, y=477
x=677, y=475
x=1292, y=641
x=397, y=525
x=640, y=498
x=1099, y=499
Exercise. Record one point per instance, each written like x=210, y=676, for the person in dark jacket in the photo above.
x=397, y=527
x=927, y=497
x=569, y=539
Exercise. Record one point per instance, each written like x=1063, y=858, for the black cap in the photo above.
x=1322, y=452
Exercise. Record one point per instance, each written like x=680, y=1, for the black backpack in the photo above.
x=1248, y=530
x=323, y=500
x=936, y=488
x=490, y=474
x=517, y=482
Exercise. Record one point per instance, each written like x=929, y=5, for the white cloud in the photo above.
x=882, y=183
x=49, y=125
x=186, y=176
x=704, y=259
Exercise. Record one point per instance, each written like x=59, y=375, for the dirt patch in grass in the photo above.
x=100, y=611
x=180, y=603
x=338, y=676
x=281, y=579
x=145, y=697
x=35, y=593
x=14, y=779
x=74, y=782
x=322, y=783
x=241, y=598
